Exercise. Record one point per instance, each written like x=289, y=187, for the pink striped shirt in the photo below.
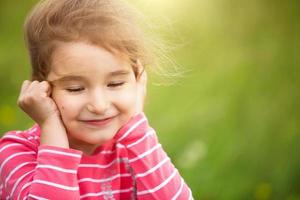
x=131, y=166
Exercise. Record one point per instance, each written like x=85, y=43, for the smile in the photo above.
x=99, y=122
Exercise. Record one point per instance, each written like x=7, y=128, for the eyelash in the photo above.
x=75, y=89
x=117, y=84
x=113, y=85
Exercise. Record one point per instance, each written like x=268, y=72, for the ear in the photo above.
x=141, y=87
x=141, y=75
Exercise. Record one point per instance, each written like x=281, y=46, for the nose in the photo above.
x=98, y=102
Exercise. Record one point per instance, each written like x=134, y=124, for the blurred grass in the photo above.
x=231, y=124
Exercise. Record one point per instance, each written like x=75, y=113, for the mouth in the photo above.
x=99, y=122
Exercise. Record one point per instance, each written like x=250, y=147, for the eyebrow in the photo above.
x=119, y=73
x=67, y=78
x=81, y=78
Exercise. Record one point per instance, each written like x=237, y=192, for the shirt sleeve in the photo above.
x=30, y=171
x=155, y=175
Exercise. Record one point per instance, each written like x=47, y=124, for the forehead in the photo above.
x=80, y=58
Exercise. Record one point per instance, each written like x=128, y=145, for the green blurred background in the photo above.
x=231, y=123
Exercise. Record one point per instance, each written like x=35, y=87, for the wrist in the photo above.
x=53, y=132
x=53, y=119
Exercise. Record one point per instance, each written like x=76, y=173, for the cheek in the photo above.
x=126, y=101
x=67, y=106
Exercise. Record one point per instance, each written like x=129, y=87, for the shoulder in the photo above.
x=25, y=139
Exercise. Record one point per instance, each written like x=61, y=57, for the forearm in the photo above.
x=47, y=172
x=56, y=173
x=53, y=133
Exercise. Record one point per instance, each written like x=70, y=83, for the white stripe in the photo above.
x=33, y=129
x=131, y=128
x=140, y=140
x=1, y=187
x=33, y=138
x=71, y=171
x=120, y=146
x=153, y=168
x=64, y=187
x=118, y=160
x=105, y=192
x=190, y=194
x=9, y=145
x=16, y=137
x=60, y=153
x=18, y=132
x=15, y=155
x=103, y=180
x=18, y=181
x=15, y=169
x=159, y=186
x=107, y=152
x=24, y=186
x=179, y=191
x=145, y=153
x=37, y=197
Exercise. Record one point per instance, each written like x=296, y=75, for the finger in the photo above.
x=26, y=91
x=45, y=86
x=38, y=88
x=24, y=87
x=32, y=86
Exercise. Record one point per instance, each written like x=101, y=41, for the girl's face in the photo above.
x=95, y=92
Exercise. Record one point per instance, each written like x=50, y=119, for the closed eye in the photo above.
x=75, y=89
x=116, y=84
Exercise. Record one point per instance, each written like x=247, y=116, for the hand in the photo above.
x=35, y=100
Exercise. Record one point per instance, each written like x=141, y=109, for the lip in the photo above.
x=99, y=122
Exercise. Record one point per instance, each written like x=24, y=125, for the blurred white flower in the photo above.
x=193, y=153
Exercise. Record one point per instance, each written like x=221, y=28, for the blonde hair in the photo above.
x=108, y=23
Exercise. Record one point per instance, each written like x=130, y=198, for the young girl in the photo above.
x=91, y=139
